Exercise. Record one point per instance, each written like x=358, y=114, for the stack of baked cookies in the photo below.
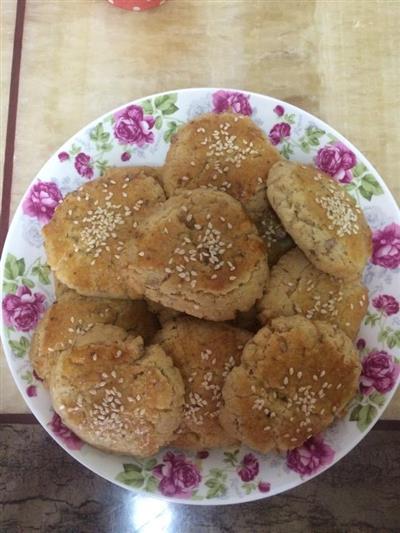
x=168, y=326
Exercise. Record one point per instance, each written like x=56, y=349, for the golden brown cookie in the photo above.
x=200, y=254
x=295, y=377
x=73, y=315
x=88, y=233
x=225, y=152
x=117, y=395
x=275, y=236
x=204, y=352
x=323, y=220
x=297, y=287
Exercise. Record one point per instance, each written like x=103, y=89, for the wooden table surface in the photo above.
x=338, y=59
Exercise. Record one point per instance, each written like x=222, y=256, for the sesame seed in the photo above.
x=141, y=254
x=339, y=211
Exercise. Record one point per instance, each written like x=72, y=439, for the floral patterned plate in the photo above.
x=140, y=133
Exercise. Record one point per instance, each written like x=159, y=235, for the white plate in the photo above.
x=140, y=134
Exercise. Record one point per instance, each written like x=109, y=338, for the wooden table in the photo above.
x=79, y=58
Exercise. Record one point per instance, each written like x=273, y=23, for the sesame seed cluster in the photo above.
x=87, y=236
x=340, y=209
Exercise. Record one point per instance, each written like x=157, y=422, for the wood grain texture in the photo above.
x=44, y=489
x=338, y=59
x=8, y=10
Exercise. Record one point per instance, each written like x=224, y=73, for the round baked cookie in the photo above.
x=295, y=377
x=200, y=254
x=73, y=315
x=225, y=152
x=116, y=395
x=204, y=352
x=88, y=233
x=297, y=287
x=323, y=220
x=276, y=238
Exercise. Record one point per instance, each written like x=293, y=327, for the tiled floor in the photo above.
x=43, y=489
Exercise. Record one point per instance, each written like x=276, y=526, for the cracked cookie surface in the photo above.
x=295, y=377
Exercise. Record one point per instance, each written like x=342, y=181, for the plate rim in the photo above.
x=36, y=411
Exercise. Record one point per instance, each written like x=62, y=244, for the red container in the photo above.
x=136, y=5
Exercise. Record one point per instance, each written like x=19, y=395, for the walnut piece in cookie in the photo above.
x=322, y=218
x=296, y=376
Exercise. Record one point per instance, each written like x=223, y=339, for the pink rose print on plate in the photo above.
x=23, y=310
x=71, y=441
x=63, y=156
x=202, y=454
x=234, y=101
x=386, y=246
x=386, y=303
x=311, y=457
x=279, y=110
x=279, y=132
x=379, y=372
x=133, y=127
x=83, y=165
x=361, y=344
x=125, y=156
x=336, y=160
x=31, y=391
x=264, y=486
x=178, y=476
x=41, y=201
x=249, y=467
